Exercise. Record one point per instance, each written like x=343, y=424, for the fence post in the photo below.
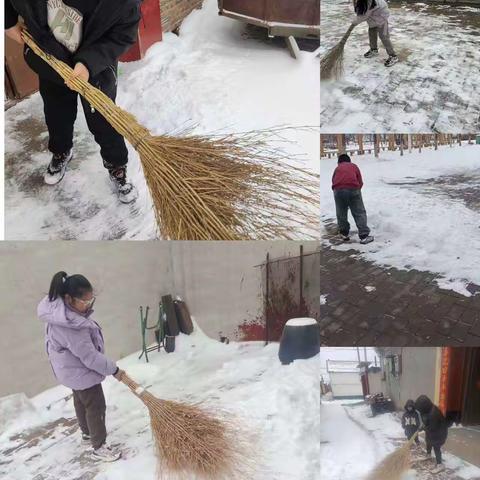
x=435, y=139
x=361, y=151
x=267, y=296
x=391, y=142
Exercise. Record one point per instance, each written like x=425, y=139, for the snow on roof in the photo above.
x=339, y=366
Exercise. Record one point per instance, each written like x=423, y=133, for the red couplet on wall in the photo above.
x=149, y=31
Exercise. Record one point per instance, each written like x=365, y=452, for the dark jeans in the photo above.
x=410, y=432
x=351, y=199
x=60, y=107
x=436, y=449
x=90, y=409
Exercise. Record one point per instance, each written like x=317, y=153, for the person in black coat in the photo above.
x=435, y=426
x=90, y=36
x=411, y=421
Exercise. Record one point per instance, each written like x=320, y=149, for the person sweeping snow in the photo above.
x=75, y=348
x=411, y=421
x=90, y=36
x=347, y=183
x=376, y=14
x=436, y=429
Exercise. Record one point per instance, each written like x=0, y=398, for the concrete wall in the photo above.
x=174, y=11
x=218, y=280
x=418, y=377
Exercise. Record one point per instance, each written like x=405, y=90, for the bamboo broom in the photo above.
x=331, y=65
x=394, y=465
x=222, y=187
x=190, y=440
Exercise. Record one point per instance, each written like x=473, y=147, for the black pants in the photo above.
x=90, y=409
x=410, y=432
x=436, y=449
x=351, y=199
x=60, y=107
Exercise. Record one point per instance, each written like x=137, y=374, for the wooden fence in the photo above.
x=361, y=144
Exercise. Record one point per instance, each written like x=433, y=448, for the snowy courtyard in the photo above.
x=278, y=404
x=418, y=283
x=353, y=442
x=215, y=76
x=432, y=88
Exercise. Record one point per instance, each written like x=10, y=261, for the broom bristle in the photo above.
x=331, y=64
x=230, y=187
x=393, y=465
x=189, y=439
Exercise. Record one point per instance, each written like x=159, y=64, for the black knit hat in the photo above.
x=343, y=158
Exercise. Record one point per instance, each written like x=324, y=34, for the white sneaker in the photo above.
x=126, y=191
x=439, y=469
x=366, y=240
x=85, y=438
x=106, y=454
x=57, y=167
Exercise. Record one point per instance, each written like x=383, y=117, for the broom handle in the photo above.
x=136, y=389
x=131, y=129
x=347, y=34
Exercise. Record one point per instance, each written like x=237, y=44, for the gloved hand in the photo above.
x=119, y=374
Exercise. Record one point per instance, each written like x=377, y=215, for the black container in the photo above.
x=169, y=343
x=300, y=340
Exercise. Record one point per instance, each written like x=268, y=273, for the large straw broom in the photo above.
x=331, y=64
x=189, y=440
x=394, y=465
x=218, y=187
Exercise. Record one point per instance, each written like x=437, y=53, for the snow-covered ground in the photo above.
x=279, y=404
x=213, y=77
x=423, y=209
x=353, y=442
x=435, y=85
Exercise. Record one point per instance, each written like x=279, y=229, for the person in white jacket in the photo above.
x=376, y=14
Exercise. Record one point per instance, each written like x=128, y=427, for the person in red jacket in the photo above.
x=346, y=185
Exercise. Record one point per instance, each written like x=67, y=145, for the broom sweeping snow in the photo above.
x=331, y=65
x=222, y=187
x=192, y=441
x=394, y=465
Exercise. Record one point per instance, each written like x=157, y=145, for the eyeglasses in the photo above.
x=87, y=303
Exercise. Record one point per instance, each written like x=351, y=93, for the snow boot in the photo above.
x=391, y=61
x=438, y=469
x=371, y=53
x=57, y=167
x=106, y=454
x=367, y=239
x=126, y=191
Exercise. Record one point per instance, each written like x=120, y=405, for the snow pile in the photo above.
x=423, y=209
x=210, y=78
x=280, y=404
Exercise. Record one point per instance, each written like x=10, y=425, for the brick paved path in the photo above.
x=364, y=304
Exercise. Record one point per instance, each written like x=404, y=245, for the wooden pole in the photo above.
x=361, y=151
x=376, y=143
x=340, y=143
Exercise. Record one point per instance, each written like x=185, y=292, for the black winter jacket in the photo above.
x=435, y=424
x=411, y=419
x=108, y=33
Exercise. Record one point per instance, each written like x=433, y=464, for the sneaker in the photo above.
x=366, y=240
x=438, y=469
x=57, y=167
x=85, y=438
x=127, y=193
x=345, y=238
x=391, y=61
x=106, y=453
x=371, y=53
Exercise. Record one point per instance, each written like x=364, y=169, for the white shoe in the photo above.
x=57, y=167
x=85, y=438
x=366, y=240
x=106, y=454
x=439, y=469
x=126, y=191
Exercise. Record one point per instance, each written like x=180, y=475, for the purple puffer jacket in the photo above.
x=75, y=346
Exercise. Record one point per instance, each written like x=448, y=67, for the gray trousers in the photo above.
x=346, y=199
x=90, y=408
x=384, y=34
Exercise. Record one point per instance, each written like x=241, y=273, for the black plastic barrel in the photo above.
x=300, y=340
x=169, y=343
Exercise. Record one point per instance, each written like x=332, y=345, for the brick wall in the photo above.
x=174, y=11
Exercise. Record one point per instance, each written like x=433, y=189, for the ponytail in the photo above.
x=73, y=285
x=57, y=286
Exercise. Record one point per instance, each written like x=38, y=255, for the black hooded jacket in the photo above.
x=108, y=33
x=411, y=420
x=435, y=424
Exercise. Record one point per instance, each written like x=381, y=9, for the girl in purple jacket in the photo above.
x=75, y=348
